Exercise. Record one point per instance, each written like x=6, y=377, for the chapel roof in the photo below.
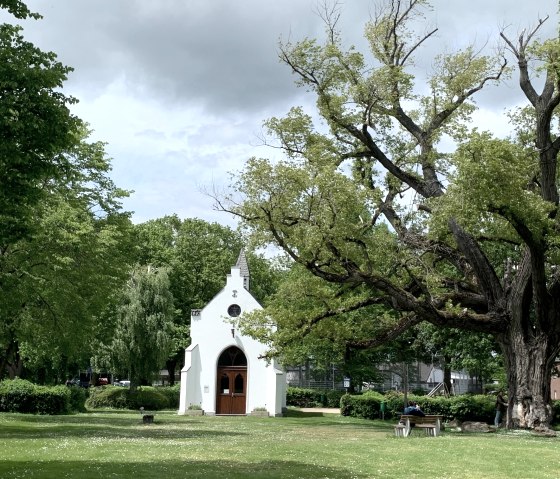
x=243, y=268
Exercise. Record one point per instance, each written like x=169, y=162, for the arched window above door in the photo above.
x=232, y=356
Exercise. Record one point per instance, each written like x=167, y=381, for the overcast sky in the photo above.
x=179, y=88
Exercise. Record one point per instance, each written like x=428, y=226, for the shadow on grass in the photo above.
x=86, y=426
x=226, y=468
x=298, y=413
x=313, y=418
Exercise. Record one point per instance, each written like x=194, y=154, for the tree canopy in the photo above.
x=197, y=255
x=64, y=239
x=142, y=337
x=369, y=202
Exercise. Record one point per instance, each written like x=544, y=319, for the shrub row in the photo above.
x=300, y=397
x=150, y=398
x=19, y=395
x=463, y=408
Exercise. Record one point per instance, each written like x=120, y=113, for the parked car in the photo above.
x=125, y=383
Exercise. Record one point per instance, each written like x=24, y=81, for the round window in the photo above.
x=234, y=310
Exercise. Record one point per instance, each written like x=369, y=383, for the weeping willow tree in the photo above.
x=142, y=339
x=479, y=250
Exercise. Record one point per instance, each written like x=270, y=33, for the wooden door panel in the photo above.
x=239, y=392
x=231, y=391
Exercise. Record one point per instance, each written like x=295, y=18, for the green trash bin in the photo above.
x=382, y=408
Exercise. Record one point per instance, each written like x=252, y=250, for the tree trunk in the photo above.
x=528, y=362
x=171, y=364
x=447, y=375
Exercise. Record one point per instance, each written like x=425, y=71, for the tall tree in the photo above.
x=63, y=237
x=36, y=126
x=328, y=203
x=142, y=337
x=55, y=284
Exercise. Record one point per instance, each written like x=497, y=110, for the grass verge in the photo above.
x=117, y=444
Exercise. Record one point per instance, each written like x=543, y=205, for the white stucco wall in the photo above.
x=211, y=334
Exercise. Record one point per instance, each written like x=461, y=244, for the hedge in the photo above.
x=301, y=397
x=171, y=393
x=19, y=395
x=118, y=397
x=464, y=407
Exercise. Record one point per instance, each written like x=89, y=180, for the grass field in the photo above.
x=117, y=444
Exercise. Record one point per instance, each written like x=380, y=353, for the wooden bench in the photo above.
x=429, y=423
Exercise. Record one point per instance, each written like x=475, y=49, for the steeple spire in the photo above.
x=243, y=268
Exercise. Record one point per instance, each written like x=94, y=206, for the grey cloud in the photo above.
x=222, y=55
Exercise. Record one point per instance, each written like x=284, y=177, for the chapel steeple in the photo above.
x=243, y=268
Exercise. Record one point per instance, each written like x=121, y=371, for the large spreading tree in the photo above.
x=368, y=202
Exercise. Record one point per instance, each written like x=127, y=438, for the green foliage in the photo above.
x=116, y=397
x=61, y=228
x=301, y=397
x=18, y=9
x=556, y=412
x=463, y=408
x=492, y=180
x=403, y=211
x=19, y=395
x=142, y=338
x=51, y=400
x=149, y=398
x=78, y=397
x=171, y=393
x=197, y=255
x=37, y=128
x=473, y=408
x=365, y=406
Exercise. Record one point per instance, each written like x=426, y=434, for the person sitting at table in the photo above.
x=413, y=409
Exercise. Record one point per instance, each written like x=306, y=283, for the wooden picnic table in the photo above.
x=430, y=423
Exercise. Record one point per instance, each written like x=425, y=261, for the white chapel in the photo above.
x=223, y=372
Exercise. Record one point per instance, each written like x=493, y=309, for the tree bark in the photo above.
x=528, y=364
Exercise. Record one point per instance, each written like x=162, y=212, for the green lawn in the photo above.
x=116, y=444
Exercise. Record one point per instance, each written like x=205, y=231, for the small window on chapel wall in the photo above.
x=234, y=310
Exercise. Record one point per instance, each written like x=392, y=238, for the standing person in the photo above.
x=501, y=406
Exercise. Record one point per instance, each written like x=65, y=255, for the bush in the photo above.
x=171, y=393
x=78, y=398
x=300, y=397
x=365, y=406
x=19, y=395
x=149, y=398
x=116, y=397
x=52, y=400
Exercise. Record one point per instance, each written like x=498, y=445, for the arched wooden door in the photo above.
x=231, y=390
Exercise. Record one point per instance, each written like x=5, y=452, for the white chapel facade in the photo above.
x=223, y=372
